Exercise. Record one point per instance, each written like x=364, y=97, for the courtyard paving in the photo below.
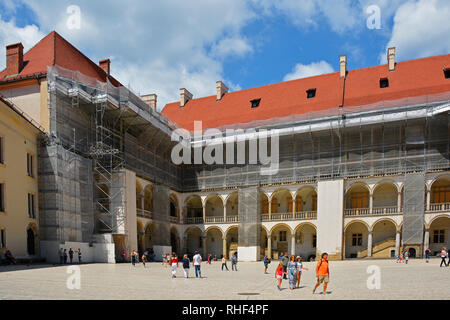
x=348, y=280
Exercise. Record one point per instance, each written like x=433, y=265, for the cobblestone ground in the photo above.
x=348, y=280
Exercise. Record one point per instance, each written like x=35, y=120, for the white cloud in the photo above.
x=155, y=46
x=421, y=28
x=235, y=46
x=10, y=33
x=309, y=70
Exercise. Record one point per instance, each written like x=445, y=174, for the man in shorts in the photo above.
x=322, y=273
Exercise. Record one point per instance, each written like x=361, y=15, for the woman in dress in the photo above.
x=174, y=263
x=292, y=270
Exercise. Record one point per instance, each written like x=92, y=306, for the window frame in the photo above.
x=357, y=240
x=384, y=81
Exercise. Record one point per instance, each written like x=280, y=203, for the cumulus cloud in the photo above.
x=421, y=28
x=155, y=46
x=309, y=70
x=11, y=33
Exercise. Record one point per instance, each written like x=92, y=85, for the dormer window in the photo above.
x=384, y=83
x=255, y=103
x=311, y=93
x=447, y=73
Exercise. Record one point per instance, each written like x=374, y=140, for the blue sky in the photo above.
x=161, y=46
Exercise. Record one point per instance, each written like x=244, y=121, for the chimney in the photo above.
x=391, y=58
x=185, y=96
x=150, y=99
x=221, y=89
x=343, y=65
x=14, y=58
x=105, y=64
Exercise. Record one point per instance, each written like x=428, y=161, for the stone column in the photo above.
x=204, y=248
x=269, y=246
x=293, y=244
x=142, y=199
x=397, y=243
x=270, y=209
x=426, y=240
x=204, y=213
x=371, y=202
x=399, y=202
x=369, y=244
x=293, y=209
x=428, y=199
x=224, y=247
x=225, y=213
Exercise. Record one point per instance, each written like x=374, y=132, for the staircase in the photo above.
x=380, y=250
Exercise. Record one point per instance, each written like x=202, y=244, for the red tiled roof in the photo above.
x=55, y=50
x=410, y=79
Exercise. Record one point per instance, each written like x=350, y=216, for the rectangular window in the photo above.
x=357, y=239
x=31, y=206
x=2, y=238
x=283, y=235
x=311, y=93
x=384, y=83
x=2, y=150
x=30, y=165
x=439, y=236
x=314, y=241
x=441, y=194
x=447, y=73
x=2, y=197
x=359, y=200
x=255, y=102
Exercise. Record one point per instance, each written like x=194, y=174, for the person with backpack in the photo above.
x=443, y=255
x=427, y=255
x=186, y=263
x=406, y=257
x=322, y=273
x=234, y=262
x=266, y=261
x=284, y=262
x=70, y=255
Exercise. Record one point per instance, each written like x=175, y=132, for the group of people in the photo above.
x=134, y=257
x=9, y=258
x=403, y=256
x=64, y=255
x=291, y=267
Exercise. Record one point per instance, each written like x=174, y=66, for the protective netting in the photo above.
x=249, y=209
x=413, y=208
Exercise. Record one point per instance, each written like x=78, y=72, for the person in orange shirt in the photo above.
x=322, y=273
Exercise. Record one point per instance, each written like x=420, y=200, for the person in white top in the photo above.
x=443, y=255
x=197, y=260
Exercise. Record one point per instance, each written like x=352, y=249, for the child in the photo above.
x=224, y=263
x=279, y=275
x=186, y=262
x=144, y=258
x=406, y=257
x=266, y=263
x=300, y=268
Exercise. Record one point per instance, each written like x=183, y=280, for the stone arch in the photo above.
x=32, y=239
x=385, y=194
x=355, y=239
x=139, y=196
x=214, y=241
x=306, y=240
x=444, y=215
x=148, y=236
x=148, y=197
x=232, y=204
x=281, y=239
x=383, y=238
x=264, y=202
x=306, y=199
x=232, y=237
x=440, y=189
x=194, y=240
x=357, y=195
x=281, y=201
x=439, y=232
x=174, y=206
x=194, y=206
x=213, y=205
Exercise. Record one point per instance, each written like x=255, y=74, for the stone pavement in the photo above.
x=348, y=280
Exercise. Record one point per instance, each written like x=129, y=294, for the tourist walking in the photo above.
x=300, y=268
x=285, y=261
x=427, y=255
x=70, y=255
x=266, y=261
x=406, y=257
x=65, y=256
x=224, y=263
x=61, y=255
x=322, y=273
x=209, y=258
x=186, y=263
x=124, y=256
x=133, y=258
x=292, y=272
x=443, y=255
x=197, y=260
x=234, y=262
x=174, y=264
x=164, y=259
x=279, y=275
x=144, y=258
x=79, y=255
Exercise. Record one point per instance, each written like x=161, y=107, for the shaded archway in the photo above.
x=139, y=196
x=264, y=205
x=214, y=242
x=281, y=239
x=383, y=239
x=175, y=241
x=306, y=200
x=148, y=236
x=194, y=240
x=385, y=198
x=194, y=209
x=306, y=241
x=214, y=206
x=148, y=198
x=357, y=199
x=440, y=194
x=439, y=233
x=264, y=242
x=174, y=209
x=356, y=235
x=281, y=204
x=232, y=204
x=140, y=237
x=232, y=235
